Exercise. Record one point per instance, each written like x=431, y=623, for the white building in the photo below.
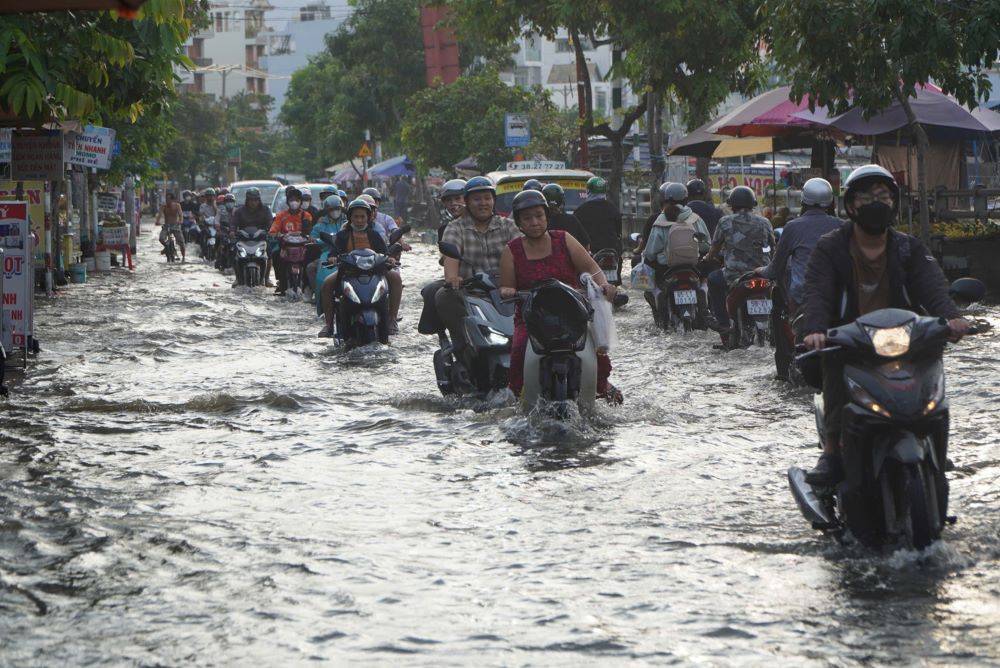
x=288, y=50
x=227, y=53
x=552, y=65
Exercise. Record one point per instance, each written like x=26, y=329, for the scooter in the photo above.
x=251, y=256
x=560, y=363
x=609, y=262
x=749, y=304
x=894, y=432
x=681, y=303
x=207, y=238
x=483, y=365
x=189, y=227
x=363, y=294
x=293, y=257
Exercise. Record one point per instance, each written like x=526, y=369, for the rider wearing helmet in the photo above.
x=452, y=197
x=742, y=236
x=384, y=223
x=601, y=220
x=253, y=214
x=307, y=205
x=564, y=258
x=330, y=221
x=674, y=210
x=700, y=201
x=226, y=211
x=531, y=184
x=480, y=236
x=559, y=219
x=291, y=221
x=788, y=268
x=862, y=266
x=358, y=233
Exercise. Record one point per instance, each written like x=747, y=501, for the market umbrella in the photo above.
x=942, y=116
x=770, y=114
x=398, y=166
x=23, y=6
x=702, y=143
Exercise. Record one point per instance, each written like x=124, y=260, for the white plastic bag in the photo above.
x=642, y=276
x=603, y=327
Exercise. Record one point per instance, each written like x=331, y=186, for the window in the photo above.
x=565, y=45
x=199, y=82
x=601, y=102
x=533, y=48
x=218, y=21
x=526, y=77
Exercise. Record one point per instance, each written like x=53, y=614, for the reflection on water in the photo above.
x=191, y=477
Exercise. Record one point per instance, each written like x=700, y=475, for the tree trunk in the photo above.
x=617, y=169
x=701, y=168
x=923, y=144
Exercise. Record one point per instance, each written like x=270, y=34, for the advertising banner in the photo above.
x=93, y=148
x=18, y=271
x=32, y=193
x=36, y=156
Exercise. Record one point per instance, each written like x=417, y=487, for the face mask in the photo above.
x=333, y=213
x=359, y=229
x=229, y=206
x=874, y=218
x=294, y=206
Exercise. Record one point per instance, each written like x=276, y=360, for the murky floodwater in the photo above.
x=190, y=477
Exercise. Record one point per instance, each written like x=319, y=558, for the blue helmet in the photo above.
x=479, y=183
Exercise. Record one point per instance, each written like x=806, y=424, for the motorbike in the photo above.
x=483, y=364
x=363, y=294
x=251, y=256
x=609, y=262
x=784, y=336
x=749, y=304
x=293, y=257
x=560, y=362
x=681, y=303
x=170, y=248
x=894, y=432
x=207, y=237
x=189, y=227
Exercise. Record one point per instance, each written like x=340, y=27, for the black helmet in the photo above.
x=477, y=183
x=373, y=193
x=532, y=184
x=252, y=192
x=452, y=188
x=554, y=194
x=291, y=191
x=697, y=188
x=673, y=192
x=527, y=199
x=742, y=197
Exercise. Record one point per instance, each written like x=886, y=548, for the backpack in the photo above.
x=682, y=246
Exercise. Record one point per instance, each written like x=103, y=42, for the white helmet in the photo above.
x=817, y=192
x=306, y=193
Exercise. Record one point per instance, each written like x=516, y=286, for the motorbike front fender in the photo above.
x=368, y=317
x=905, y=448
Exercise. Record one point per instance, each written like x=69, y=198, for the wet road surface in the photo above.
x=190, y=477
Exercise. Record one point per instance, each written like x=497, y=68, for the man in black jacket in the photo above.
x=700, y=201
x=600, y=218
x=861, y=267
x=559, y=219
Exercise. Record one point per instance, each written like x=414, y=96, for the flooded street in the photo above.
x=191, y=477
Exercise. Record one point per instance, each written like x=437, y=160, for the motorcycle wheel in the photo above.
x=250, y=276
x=923, y=524
x=367, y=335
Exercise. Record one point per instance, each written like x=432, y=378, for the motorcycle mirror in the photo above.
x=398, y=233
x=635, y=238
x=967, y=290
x=449, y=250
x=328, y=238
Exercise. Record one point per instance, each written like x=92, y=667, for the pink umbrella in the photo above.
x=770, y=114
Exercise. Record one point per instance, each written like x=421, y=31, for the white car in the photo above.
x=268, y=191
x=280, y=205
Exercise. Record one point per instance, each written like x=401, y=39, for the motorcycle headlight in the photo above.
x=259, y=252
x=861, y=395
x=350, y=293
x=380, y=291
x=890, y=342
x=494, y=336
x=241, y=251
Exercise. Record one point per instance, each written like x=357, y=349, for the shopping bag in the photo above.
x=642, y=276
x=603, y=325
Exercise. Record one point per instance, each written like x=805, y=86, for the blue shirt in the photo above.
x=798, y=238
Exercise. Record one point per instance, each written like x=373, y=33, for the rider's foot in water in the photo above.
x=613, y=396
x=268, y=284
x=828, y=471
x=393, y=329
x=325, y=332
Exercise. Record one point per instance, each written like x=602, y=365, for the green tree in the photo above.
x=92, y=66
x=445, y=124
x=883, y=50
x=197, y=147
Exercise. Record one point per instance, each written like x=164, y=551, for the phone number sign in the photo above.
x=15, y=242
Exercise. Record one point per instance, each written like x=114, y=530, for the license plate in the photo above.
x=611, y=275
x=685, y=297
x=759, y=306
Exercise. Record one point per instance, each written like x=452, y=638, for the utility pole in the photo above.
x=581, y=100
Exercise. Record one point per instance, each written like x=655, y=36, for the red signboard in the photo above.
x=440, y=46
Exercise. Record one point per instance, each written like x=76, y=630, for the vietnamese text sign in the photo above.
x=36, y=156
x=531, y=165
x=5, y=134
x=32, y=192
x=18, y=272
x=107, y=202
x=516, y=130
x=93, y=148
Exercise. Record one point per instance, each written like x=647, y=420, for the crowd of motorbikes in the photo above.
x=895, y=490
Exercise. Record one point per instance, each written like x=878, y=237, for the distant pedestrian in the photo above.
x=401, y=197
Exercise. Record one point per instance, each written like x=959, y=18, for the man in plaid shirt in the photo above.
x=481, y=236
